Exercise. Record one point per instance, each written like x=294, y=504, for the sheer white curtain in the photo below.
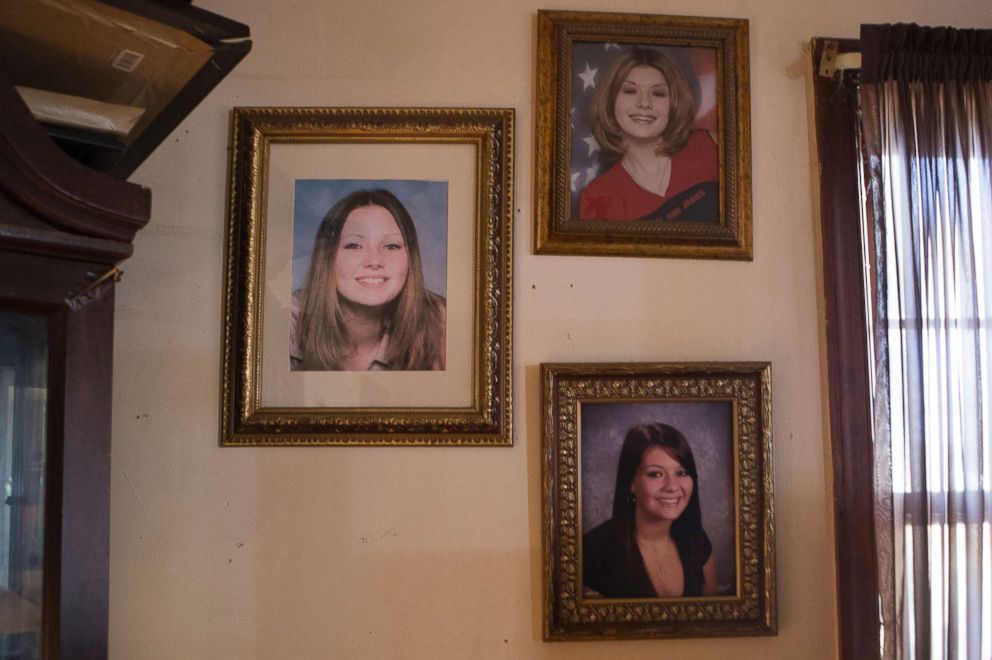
x=926, y=102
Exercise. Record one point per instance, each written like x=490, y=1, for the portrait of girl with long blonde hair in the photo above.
x=364, y=304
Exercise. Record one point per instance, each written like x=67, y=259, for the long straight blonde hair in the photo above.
x=415, y=319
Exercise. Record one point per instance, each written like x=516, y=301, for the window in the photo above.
x=909, y=363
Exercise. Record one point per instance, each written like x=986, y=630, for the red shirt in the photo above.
x=614, y=195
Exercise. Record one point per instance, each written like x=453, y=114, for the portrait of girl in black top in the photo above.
x=654, y=544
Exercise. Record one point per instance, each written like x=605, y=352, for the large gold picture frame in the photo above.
x=599, y=417
x=587, y=197
x=462, y=158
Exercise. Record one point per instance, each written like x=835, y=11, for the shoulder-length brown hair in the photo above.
x=415, y=319
x=682, y=105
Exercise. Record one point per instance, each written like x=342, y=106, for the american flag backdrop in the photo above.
x=590, y=60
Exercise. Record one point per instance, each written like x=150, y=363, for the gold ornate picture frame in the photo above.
x=295, y=172
x=684, y=188
x=637, y=456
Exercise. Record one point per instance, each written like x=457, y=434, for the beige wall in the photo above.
x=435, y=552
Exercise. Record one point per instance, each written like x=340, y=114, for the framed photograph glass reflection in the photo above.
x=643, y=136
x=658, y=500
x=368, y=280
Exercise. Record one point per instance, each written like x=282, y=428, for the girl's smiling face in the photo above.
x=661, y=487
x=371, y=262
x=642, y=104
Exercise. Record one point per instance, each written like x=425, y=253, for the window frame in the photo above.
x=847, y=353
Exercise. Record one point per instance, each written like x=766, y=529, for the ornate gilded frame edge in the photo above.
x=244, y=421
x=567, y=615
x=554, y=231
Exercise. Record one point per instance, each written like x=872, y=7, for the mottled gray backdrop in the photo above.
x=707, y=425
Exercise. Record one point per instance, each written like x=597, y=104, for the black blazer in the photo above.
x=607, y=569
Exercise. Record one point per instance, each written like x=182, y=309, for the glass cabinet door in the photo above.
x=23, y=397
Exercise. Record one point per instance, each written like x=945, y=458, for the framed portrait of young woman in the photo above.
x=368, y=280
x=643, y=136
x=657, y=500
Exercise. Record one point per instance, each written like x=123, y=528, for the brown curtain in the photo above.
x=926, y=107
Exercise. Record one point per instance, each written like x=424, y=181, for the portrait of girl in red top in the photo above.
x=660, y=167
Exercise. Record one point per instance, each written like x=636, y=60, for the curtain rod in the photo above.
x=831, y=61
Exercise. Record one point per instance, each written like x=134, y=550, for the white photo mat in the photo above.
x=455, y=163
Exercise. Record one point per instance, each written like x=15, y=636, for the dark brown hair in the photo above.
x=687, y=531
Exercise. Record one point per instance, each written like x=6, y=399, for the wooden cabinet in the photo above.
x=67, y=220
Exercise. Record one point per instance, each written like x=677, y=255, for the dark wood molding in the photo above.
x=85, y=497
x=67, y=220
x=63, y=229
x=62, y=225
x=53, y=273
x=69, y=196
x=847, y=358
